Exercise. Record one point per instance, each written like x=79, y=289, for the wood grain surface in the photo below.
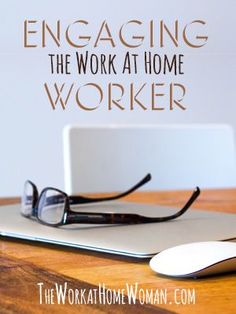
x=24, y=264
x=19, y=294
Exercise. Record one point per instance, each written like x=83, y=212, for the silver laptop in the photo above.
x=140, y=241
x=113, y=157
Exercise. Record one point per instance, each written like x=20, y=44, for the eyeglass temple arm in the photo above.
x=191, y=200
x=115, y=218
x=84, y=199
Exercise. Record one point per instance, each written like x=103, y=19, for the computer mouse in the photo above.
x=196, y=259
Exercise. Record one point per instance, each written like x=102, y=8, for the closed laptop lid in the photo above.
x=140, y=241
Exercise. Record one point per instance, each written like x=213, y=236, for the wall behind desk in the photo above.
x=31, y=132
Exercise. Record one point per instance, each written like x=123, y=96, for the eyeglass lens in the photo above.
x=51, y=206
x=27, y=199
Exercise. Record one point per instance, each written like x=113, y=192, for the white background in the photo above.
x=31, y=132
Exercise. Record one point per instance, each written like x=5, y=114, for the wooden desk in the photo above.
x=24, y=264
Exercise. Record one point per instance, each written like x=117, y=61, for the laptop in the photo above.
x=114, y=157
x=138, y=241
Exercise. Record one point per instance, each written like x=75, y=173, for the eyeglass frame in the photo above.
x=69, y=216
x=79, y=199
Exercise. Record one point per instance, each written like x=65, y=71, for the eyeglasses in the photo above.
x=52, y=207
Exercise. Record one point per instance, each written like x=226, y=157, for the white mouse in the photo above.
x=196, y=259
